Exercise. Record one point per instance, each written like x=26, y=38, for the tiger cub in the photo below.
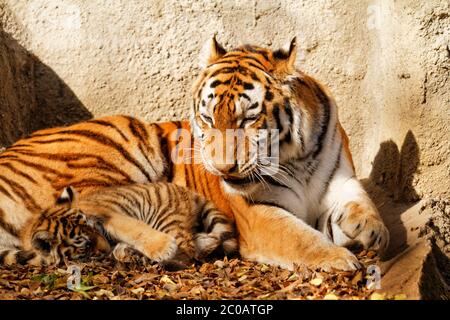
x=165, y=222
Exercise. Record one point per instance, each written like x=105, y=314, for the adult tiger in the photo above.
x=247, y=88
x=255, y=88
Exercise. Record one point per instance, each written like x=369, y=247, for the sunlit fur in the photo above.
x=303, y=214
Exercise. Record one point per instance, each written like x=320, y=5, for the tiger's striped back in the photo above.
x=102, y=152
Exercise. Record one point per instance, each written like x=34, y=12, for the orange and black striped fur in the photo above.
x=165, y=222
x=305, y=211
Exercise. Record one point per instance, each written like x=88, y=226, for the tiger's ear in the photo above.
x=210, y=52
x=68, y=195
x=285, y=58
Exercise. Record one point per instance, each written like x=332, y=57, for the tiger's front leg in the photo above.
x=155, y=245
x=350, y=218
x=272, y=235
x=125, y=253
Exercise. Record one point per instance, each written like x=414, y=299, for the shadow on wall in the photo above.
x=32, y=95
x=390, y=185
x=393, y=169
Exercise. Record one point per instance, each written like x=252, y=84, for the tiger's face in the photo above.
x=242, y=111
x=63, y=232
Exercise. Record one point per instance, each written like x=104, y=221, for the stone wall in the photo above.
x=387, y=63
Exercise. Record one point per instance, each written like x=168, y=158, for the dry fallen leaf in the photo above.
x=100, y=279
x=264, y=268
x=171, y=287
x=218, y=279
x=103, y=292
x=357, y=278
x=331, y=296
x=166, y=279
x=293, y=277
x=377, y=296
x=316, y=282
x=138, y=290
x=242, y=278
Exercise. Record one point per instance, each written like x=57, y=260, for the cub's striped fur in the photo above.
x=165, y=222
x=305, y=212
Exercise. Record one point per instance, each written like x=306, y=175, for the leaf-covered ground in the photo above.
x=219, y=279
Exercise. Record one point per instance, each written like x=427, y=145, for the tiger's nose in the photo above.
x=227, y=168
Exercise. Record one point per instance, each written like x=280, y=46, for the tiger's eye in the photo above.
x=207, y=119
x=249, y=120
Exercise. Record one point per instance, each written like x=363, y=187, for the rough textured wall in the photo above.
x=387, y=63
x=32, y=96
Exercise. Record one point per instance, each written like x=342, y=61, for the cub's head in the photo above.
x=63, y=232
x=243, y=110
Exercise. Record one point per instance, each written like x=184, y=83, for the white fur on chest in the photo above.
x=299, y=198
x=304, y=193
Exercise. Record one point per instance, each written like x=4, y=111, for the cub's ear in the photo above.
x=42, y=240
x=68, y=195
x=285, y=58
x=210, y=52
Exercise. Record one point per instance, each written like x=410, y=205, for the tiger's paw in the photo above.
x=335, y=258
x=162, y=249
x=205, y=244
x=361, y=226
x=123, y=252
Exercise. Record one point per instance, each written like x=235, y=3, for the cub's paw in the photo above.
x=360, y=226
x=123, y=252
x=205, y=244
x=230, y=247
x=335, y=258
